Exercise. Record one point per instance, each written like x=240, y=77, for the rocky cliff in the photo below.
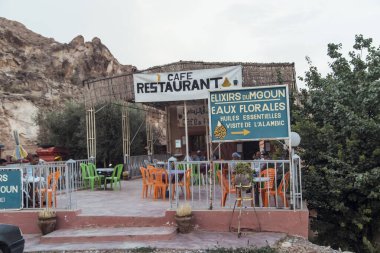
x=38, y=72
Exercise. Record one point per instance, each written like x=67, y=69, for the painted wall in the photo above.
x=285, y=221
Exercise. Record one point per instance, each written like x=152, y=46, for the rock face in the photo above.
x=38, y=72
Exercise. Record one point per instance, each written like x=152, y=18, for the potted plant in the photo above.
x=243, y=174
x=47, y=220
x=125, y=175
x=183, y=218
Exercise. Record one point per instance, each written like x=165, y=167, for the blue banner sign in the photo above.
x=249, y=114
x=10, y=189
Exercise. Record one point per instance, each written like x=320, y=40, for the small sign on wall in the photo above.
x=197, y=115
x=178, y=143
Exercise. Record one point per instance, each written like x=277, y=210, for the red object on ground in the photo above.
x=50, y=154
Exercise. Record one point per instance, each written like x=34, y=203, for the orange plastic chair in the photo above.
x=185, y=182
x=149, y=167
x=281, y=190
x=145, y=183
x=226, y=188
x=50, y=189
x=150, y=171
x=267, y=186
x=160, y=183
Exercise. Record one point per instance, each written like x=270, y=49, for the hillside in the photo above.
x=38, y=72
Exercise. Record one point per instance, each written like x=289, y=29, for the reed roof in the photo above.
x=120, y=88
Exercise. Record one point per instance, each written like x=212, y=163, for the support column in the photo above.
x=91, y=133
x=186, y=133
x=209, y=154
x=168, y=131
x=149, y=134
x=126, y=133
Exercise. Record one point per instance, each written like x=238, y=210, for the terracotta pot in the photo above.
x=184, y=224
x=125, y=175
x=47, y=225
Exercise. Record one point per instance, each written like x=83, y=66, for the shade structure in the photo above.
x=20, y=152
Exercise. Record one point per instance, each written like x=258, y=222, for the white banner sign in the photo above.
x=197, y=115
x=185, y=85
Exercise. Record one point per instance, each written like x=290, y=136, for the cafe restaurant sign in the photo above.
x=249, y=114
x=10, y=189
x=185, y=85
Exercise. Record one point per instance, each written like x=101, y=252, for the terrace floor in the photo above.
x=128, y=202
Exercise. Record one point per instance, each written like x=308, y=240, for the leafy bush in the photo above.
x=46, y=214
x=184, y=210
x=243, y=173
x=339, y=123
x=66, y=127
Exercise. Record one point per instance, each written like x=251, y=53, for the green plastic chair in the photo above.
x=99, y=178
x=195, y=174
x=91, y=170
x=180, y=167
x=85, y=177
x=115, y=177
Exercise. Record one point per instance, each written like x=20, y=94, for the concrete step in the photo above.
x=82, y=221
x=120, y=234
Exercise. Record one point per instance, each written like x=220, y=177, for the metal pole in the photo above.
x=209, y=154
x=168, y=132
x=186, y=133
x=212, y=174
x=126, y=133
x=292, y=178
x=91, y=133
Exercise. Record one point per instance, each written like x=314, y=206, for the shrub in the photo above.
x=184, y=210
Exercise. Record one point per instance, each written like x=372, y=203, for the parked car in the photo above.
x=11, y=239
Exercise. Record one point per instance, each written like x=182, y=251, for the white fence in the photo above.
x=275, y=184
x=135, y=162
x=50, y=184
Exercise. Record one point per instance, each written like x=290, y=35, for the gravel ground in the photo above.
x=301, y=245
x=288, y=245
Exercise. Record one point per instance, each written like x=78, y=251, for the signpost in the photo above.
x=10, y=189
x=249, y=114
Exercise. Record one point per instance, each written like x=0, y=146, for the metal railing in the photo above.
x=50, y=184
x=135, y=162
x=275, y=184
x=206, y=185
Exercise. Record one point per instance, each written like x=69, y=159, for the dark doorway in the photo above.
x=250, y=148
x=197, y=142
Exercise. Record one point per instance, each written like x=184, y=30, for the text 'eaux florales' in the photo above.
x=247, y=108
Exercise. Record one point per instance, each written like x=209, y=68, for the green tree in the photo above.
x=109, y=133
x=66, y=127
x=339, y=122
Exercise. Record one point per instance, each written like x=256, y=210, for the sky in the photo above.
x=147, y=33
